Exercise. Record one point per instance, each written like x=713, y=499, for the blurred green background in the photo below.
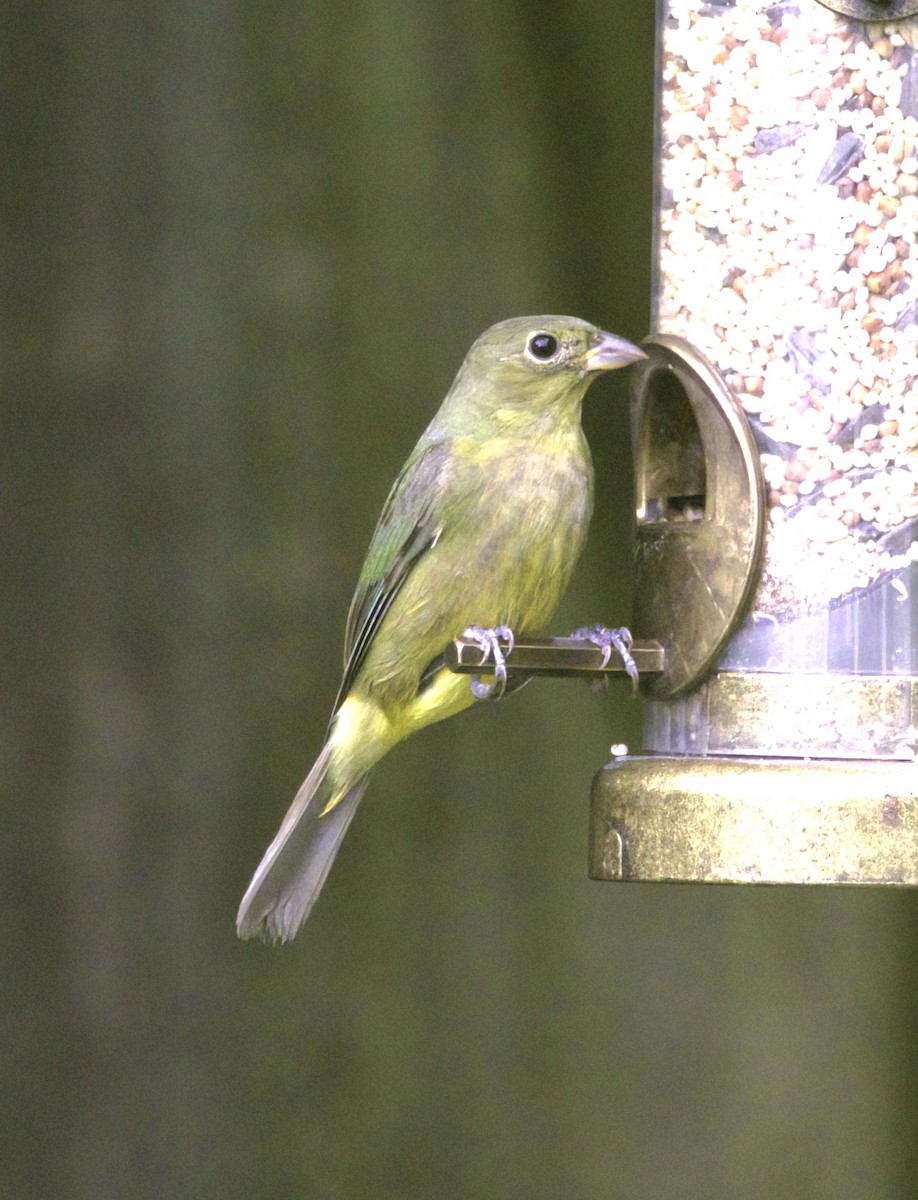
x=245, y=248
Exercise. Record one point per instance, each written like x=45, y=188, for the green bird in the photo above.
x=480, y=535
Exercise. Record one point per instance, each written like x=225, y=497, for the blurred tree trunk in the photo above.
x=123, y=738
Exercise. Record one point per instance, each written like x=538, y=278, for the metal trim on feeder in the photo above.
x=700, y=510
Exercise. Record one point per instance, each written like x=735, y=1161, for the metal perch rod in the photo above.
x=555, y=656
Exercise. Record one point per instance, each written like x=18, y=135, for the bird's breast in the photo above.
x=525, y=509
x=513, y=521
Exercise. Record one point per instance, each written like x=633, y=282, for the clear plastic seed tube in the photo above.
x=787, y=210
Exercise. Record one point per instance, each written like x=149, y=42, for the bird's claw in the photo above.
x=608, y=639
x=489, y=642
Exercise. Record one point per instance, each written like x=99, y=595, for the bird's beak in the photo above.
x=608, y=352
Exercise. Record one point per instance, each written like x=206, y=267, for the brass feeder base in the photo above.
x=755, y=820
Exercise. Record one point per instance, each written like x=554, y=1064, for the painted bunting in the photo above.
x=480, y=534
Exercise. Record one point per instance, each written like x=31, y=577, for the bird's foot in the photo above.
x=608, y=640
x=489, y=640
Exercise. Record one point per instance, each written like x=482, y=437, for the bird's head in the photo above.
x=529, y=366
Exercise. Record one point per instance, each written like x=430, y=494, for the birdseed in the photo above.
x=788, y=221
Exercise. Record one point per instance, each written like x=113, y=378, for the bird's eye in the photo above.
x=542, y=346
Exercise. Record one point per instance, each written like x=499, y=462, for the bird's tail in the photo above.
x=290, y=876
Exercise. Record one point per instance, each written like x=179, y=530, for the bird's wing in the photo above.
x=408, y=527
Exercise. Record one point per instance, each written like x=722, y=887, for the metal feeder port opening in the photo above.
x=783, y=733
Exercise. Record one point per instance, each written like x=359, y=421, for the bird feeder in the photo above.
x=775, y=428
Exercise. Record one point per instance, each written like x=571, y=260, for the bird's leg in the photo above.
x=489, y=641
x=609, y=639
